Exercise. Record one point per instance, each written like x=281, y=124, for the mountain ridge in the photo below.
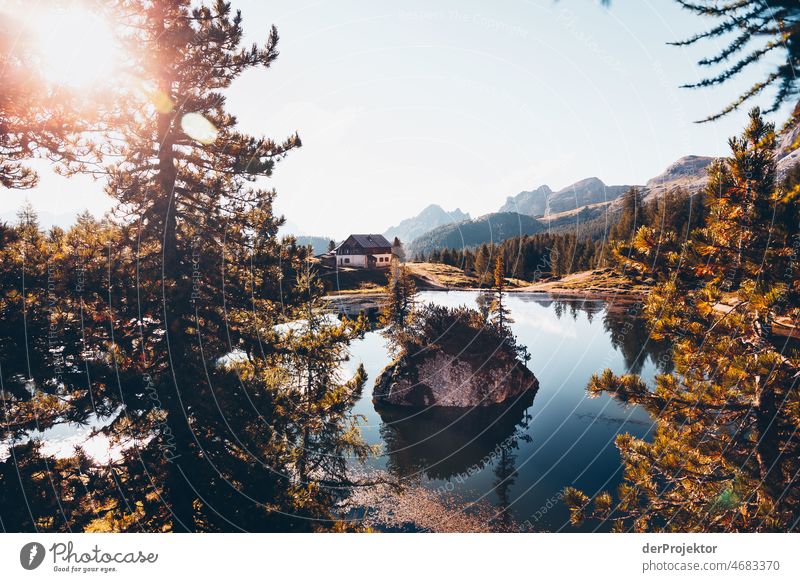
x=431, y=217
x=492, y=227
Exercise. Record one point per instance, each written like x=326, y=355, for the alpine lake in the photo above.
x=518, y=458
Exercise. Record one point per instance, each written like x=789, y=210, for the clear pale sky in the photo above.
x=457, y=102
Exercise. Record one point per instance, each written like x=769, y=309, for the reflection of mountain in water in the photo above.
x=441, y=443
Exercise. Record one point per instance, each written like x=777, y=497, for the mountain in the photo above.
x=689, y=173
x=543, y=201
x=587, y=207
x=531, y=202
x=495, y=227
x=583, y=193
x=319, y=244
x=432, y=217
x=787, y=155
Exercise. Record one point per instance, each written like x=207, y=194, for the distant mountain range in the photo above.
x=786, y=155
x=580, y=207
x=543, y=201
x=319, y=244
x=530, y=202
x=431, y=217
x=542, y=209
x=689, y=173
x=495, y=227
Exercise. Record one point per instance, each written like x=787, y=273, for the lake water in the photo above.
x=521, y=457
x=518, y=458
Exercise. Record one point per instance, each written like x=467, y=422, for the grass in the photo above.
x=348, y=280
x=440, y=276
x=453, y=277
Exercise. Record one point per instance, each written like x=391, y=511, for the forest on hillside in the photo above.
x=590, y=245
x=603, y=242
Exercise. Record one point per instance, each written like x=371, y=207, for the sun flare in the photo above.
x=77, y=47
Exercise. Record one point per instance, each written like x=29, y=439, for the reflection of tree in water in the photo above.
x=441, y=443
x=505, y=473
x=630, y=336
x=627, y=330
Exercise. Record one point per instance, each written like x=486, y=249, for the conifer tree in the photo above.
x=752, y=31
x=397, y=313
x=499, y=311
x=630, y=218
x=398, y=252
x=482, y=264
x=207, y=238
x=725, y=452
x=171, y=315
x=312, y=353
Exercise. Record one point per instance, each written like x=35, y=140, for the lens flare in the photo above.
x=76, y=47
x=199, y=128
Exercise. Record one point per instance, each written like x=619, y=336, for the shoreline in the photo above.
x=782, y=327
x=590, y=294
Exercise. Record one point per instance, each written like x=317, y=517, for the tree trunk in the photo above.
x=768, y=450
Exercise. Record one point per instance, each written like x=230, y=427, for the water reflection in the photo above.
x=443, y=443
x=625, y=326
x=560, y=438
x=630, y=336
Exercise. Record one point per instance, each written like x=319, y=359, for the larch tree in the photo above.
x=750, y=32
x=397, y=312
x=171, y=314
x=499, y=313
x=398, y=252
x=724, y=456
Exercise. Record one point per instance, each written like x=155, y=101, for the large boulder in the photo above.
x=437, y=378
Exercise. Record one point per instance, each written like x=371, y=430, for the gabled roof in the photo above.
x=369, y=241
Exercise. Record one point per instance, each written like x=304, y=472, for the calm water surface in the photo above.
x=521, y=457
x=517, y=458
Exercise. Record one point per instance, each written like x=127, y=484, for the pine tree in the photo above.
x=725, y=452
x=482, y=264
x=173, y=313
x=312, y=355
x=184, y=171
x=774, y=26
x=499, y=311
x=398, y=252
x=397, y=314
x=630, y=218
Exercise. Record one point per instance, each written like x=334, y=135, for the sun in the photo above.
x=77, y=48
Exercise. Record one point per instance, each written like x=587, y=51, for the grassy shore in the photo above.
x=365, y=285
x=441, y=277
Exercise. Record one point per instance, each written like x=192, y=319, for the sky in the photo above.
x=461, y=103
